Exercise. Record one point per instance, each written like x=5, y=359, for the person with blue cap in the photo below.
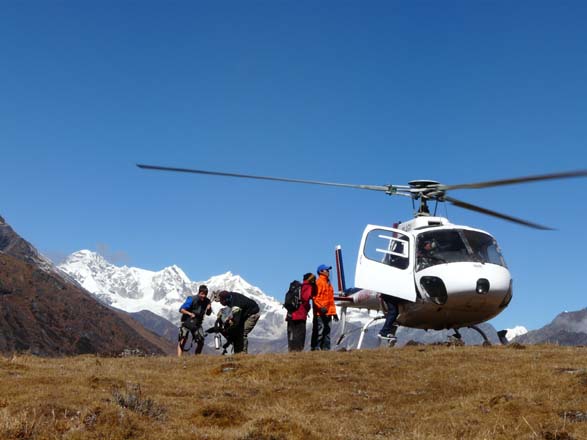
x=324, y=310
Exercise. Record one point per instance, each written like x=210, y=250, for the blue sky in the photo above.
x=361, y=92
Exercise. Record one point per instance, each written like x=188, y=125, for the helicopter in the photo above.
x=440, y=275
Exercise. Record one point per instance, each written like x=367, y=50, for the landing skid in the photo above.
x=365, y=330
x=458, y=338
x=483, y=335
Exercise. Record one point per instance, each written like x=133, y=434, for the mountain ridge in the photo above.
x=44, y=312
x=567, y=328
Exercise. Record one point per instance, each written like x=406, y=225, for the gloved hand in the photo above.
x=335, y=317
x=323, y=311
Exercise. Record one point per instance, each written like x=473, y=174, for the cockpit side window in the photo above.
x=390, y=248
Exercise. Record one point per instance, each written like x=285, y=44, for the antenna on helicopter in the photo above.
x=422, y=190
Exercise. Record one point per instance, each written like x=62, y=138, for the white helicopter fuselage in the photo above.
x=441, y=275
x=464, y=305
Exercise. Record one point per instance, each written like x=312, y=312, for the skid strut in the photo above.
x=364, y=330
x=483, y=335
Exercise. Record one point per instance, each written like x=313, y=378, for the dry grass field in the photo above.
x=414, y=392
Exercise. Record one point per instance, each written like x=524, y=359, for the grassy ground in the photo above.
x=417, y=392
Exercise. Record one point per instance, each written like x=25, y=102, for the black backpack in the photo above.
x=293, y=296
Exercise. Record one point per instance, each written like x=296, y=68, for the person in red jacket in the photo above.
x=296, y=320
x=324, y=310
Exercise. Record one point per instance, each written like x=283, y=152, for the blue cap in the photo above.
x=323, y=267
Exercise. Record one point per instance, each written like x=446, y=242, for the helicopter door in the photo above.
x=384, y=264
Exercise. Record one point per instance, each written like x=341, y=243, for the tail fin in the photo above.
x=341, y=289
x=340, y=270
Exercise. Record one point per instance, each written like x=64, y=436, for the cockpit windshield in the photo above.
x=456, y=245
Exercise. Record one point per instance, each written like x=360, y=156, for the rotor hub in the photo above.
x=426, y=189
x=423, y=184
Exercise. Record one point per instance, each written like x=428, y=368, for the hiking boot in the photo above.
x=390, y=339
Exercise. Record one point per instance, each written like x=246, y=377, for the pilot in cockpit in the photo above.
x=425, y=254
x=426, y=248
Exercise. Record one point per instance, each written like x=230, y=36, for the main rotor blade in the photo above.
x=390, y=189
x=475, y=208
x=490, y=183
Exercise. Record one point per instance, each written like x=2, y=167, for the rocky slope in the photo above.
x=45, y=313
x=567, y=328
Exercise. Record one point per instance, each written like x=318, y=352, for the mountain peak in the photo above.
x=85, y=254
x=228, y=274
x=87, y=258
x=228, y=278
x=518, y=330
x=176, y=270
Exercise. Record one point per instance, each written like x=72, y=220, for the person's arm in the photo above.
x=187, y=312
x=184, y=310
x=306, y=293
x=306, y=296
x=332, y=305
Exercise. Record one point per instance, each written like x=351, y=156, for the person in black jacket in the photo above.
x=192, y=315
x=246, y=319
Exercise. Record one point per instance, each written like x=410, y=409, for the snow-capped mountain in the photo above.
x=133, y=289
x=516, y=331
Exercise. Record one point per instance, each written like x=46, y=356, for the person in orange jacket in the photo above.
x=324, y=310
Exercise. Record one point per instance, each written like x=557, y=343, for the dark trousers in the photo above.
x=241, y=341
x=296, y=335
x=199, y=344
x=321, y=333
x=197, y=338
x=388, y=327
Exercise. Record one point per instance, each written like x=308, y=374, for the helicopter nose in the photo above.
x=482, y=286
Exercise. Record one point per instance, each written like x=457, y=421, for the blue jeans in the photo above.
x=388, y=327
x=321, y=333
